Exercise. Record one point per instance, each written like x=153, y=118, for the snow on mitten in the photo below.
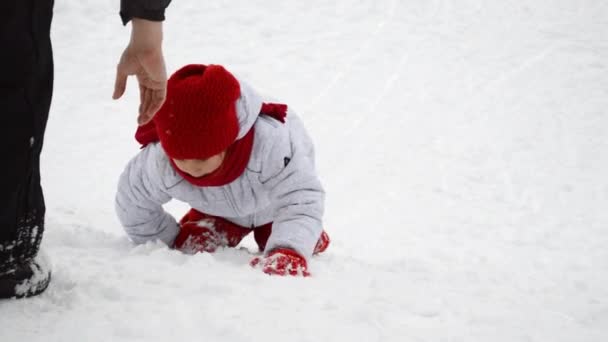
x=200, y=232
x=194, y=237
x=282, y=261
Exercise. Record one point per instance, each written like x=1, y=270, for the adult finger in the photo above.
x=140, y=108
x=145, y=105
x=142, y=91
x=158, y=98
x=120, y=83
x=149, y=96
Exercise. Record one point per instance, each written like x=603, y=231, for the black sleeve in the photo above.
x=153, y=10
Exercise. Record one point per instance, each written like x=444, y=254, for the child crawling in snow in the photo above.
x=241, y=164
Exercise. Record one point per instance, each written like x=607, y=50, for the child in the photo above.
x=241, y=164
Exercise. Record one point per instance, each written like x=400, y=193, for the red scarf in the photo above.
x=237, y=155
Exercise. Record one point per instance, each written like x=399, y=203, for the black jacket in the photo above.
x=145, y=9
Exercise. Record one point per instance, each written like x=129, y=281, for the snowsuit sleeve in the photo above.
x=288, y=173
x=140, y=197
x=153, y=10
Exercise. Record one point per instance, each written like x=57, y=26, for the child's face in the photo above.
x=200, y=167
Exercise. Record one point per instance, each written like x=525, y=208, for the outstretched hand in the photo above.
x=143, y=57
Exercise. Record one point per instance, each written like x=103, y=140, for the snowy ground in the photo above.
x=463, y=146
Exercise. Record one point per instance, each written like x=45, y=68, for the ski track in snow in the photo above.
x=364, y=49
x=463, y=146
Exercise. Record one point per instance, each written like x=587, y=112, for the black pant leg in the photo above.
x=26, y=84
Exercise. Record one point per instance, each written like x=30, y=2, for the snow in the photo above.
x=463, y=146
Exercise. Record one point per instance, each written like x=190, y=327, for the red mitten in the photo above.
x=282, y=261
x=322, y=243
x=193, y=238
x=200, y=232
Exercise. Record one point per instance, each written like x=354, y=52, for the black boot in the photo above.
x=26, y=84
x=26, y=280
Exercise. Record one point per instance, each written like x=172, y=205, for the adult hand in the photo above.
x=143, y=57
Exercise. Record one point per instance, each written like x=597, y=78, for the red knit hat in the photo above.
x=198, y=119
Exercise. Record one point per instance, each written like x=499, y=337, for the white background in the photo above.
x=463, y=146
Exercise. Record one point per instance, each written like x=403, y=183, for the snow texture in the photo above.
x=463, y=146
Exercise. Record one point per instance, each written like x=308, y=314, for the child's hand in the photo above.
x=193, y=238
x=200, y=232
x=322, y=244
x=194, y=234
x=282, y=261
